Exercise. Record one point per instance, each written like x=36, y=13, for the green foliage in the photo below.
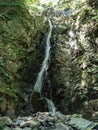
x=8, y=90
x=32, y=1
x=12, y=3
x=92, y=3
x=75, y=4
x=14, y=39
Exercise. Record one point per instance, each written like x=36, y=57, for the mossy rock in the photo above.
x=73, y=71
x=20, y=35
x=39, y=103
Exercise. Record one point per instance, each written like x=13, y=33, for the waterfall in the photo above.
x=40, y=78
x=51, y=107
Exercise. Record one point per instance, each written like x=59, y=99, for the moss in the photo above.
x=21, y=49
x=15, y=36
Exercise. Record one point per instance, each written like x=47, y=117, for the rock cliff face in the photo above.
x=74, y=70
x=21, y=52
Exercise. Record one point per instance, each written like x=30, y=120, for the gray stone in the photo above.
x=27, y=128
x=61, y=126
x=17, y=128
x=18, y=122
x=7, y=128
x=35, y=124
x=5, y=121
x=25, y=124
x=44, y=128
x=35, y=129
x=80, y=123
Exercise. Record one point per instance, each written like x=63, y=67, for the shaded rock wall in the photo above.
x=21, y=52
x=74, y=70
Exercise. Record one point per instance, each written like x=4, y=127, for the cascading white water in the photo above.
x=40, y=78
x=51, y=107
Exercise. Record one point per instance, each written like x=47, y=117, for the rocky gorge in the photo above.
x=71, y=79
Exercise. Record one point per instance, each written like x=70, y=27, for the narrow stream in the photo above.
x=40, y=78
